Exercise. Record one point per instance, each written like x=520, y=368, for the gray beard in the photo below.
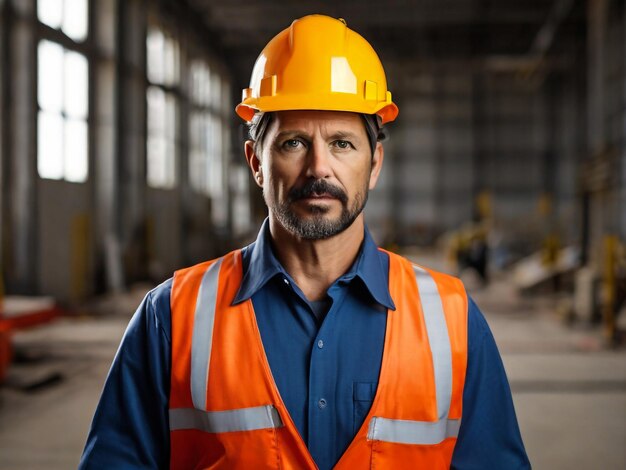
x=319, y=228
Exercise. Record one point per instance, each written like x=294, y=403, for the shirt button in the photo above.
x=320, y=344
x=286, y=281
x=322, y=403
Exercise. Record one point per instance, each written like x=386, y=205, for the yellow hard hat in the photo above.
x=318, y=63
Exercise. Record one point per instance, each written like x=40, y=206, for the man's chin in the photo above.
x=318, y=226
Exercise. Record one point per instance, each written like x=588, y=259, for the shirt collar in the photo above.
x=370, y=266
x=262, y=265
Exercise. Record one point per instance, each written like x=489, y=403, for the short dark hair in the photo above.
x=259, y=124
x=257, y=128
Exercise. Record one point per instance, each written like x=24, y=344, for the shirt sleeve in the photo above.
x=130, y=428
x=489, y=436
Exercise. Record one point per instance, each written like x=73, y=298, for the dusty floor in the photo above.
x=569, y=391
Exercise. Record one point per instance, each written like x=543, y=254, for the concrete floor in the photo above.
x=569, y=392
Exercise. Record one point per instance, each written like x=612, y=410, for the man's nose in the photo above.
x=318, y=161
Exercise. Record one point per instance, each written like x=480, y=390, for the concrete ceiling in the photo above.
x=405, y=31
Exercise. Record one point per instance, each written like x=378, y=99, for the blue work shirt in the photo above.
x=325, y=365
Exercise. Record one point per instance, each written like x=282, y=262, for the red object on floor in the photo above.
x=5, y=349
x=20, y=320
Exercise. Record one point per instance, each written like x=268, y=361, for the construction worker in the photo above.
x=309, y=348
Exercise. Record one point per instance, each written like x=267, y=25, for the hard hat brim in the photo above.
x=387, y=111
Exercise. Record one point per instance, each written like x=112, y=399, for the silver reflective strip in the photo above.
x=412, y=432
x=426, y=432
x=202, y=338
x=438, y=338
x=244, y=419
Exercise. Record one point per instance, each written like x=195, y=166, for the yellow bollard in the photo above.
x=484, y=205
x=551, y=251
x=80, y=256
x=545, y=204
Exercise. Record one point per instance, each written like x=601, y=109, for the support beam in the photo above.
x=22, y=154
x=622, y=183
x=596, y=40
x=4, y=96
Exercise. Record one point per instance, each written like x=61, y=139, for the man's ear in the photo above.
x=377, y=164
x=254, y=162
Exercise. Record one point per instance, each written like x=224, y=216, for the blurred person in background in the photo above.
x=311, y=347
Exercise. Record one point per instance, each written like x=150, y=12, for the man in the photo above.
x=310, y=348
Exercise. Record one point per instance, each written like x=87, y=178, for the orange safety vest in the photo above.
x=225, y=410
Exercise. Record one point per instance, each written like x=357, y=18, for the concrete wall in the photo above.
x=462, y=131
x=429, y=176
x=65, y=244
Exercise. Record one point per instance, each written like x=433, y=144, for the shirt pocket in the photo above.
x=363, y=394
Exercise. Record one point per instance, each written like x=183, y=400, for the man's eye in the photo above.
x=343, y=144
x=292, y=144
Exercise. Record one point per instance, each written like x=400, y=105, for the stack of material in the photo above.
x=533, y=272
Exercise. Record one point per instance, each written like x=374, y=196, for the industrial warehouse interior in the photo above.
x=122, y=161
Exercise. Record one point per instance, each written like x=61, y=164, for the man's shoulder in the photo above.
x=197, y=270
x=439, y=276
x=478, y=327
x=157, y=302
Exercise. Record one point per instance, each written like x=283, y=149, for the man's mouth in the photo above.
x=319, y=196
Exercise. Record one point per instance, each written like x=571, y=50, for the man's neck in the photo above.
x=316, y=264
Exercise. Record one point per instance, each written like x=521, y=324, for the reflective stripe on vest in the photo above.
x=202, y=339
x=246, y=419
x=438, y=338
x=412, y=432
x=425, y=432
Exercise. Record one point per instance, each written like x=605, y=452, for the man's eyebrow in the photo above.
x=291, y=134
x=344, y=135
x=339, y=135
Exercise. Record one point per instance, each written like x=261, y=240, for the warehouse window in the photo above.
x=70, y=16
x=198, y=152
x=62, y=85
x=206, y=131
x=163, y=74
x=161, y=168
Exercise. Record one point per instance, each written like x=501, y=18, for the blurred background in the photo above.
x=121, y=160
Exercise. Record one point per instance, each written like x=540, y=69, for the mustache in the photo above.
x=319, y=186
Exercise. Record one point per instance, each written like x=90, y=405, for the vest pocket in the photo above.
x=363, y=394
x=390, y=455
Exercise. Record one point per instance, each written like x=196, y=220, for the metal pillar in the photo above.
x=4, y=96
x=478, y=151
x=596, y=34
x=622, y=181
x=22, y=151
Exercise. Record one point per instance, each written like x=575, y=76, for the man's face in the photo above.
x=315, y=168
